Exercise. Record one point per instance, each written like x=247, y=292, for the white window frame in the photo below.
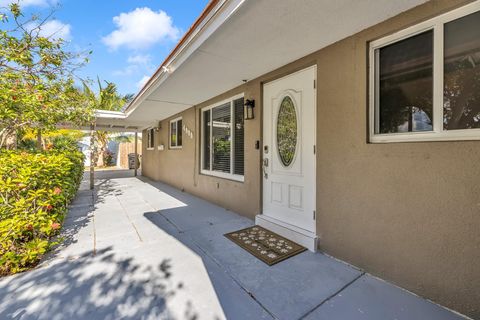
x=224, y=175
x=438, y=133
x=170, y=133
x=152, y=132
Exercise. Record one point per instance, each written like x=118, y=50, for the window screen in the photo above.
x=461, y=104
x=223, y=138
x=176, y=133
x=405, y=85
x=150, y=138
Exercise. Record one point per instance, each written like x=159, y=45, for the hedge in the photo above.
x=35, y=190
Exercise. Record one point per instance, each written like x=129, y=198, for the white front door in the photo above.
x=289, y=149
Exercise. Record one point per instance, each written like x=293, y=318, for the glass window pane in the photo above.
x=206, y=140
x=239, y=156
x=179, y=133
x=287, y=131
x=173, y=134
x=150, y=138
x=461, y=105
x=221, y=138
x=405, y=85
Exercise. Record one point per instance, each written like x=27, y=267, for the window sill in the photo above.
x=175, y=148
x=227, y=176
x=452, y=135
x=150, y=149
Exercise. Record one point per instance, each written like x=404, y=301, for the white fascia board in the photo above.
x=208, y=26
x=107, y=114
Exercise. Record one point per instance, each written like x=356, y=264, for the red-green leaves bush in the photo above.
x=35, y=189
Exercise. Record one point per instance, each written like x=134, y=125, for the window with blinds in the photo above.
x=150, y=138
x=223, y=139
x=238, y=154
x=176, y=133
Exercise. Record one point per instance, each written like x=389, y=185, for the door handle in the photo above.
x=265, y=165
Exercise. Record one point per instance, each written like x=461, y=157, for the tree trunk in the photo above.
x=39, y=140
x=101, y=156
x=8, y=138
x=15, y=142
x=102, y=139
x=11, y=141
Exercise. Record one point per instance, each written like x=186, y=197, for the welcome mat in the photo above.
x=266, y=245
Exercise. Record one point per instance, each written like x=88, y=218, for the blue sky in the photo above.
x=129, y=39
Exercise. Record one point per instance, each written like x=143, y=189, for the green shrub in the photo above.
x=35, y=189
x=65, y=143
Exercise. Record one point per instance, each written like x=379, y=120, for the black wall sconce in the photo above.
x=248, y=109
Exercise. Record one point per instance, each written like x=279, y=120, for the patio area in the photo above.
x=138, y=249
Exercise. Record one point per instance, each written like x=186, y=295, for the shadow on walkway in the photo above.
x=97, y=285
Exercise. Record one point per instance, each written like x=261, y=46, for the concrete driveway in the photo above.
x=138, y=249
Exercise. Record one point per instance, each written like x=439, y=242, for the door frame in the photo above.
x=307, y=238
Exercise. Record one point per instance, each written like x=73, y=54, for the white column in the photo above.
x=136, y=153
x=92, y=165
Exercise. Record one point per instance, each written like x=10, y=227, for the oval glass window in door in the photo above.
x=287, y=131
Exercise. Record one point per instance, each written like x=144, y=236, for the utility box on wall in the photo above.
x=132, y=162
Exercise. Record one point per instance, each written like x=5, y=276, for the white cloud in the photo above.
x=56, y=29
x=142, y=82
x=141, y=59
x=136, y=64
x=53, y=29
x=140, y=29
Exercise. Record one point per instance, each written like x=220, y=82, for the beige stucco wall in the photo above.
x=407, y=212
x=178, y=167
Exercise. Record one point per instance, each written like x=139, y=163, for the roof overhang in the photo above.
x=106, y=120
x=236, y=40
x=114, y=121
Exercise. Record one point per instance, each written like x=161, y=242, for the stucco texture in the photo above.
x=406, y=212
x=179, y=168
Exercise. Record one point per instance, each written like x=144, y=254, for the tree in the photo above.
x=107, y=98
x=37, y=81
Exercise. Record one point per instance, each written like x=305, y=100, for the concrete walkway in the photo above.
x=137, y=249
